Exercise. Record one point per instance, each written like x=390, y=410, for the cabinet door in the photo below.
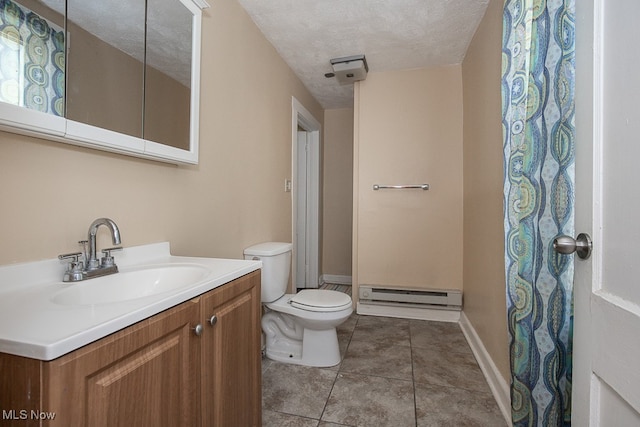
x=231, y=364
x=144, y=375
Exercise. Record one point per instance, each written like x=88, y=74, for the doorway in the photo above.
x=305, y=155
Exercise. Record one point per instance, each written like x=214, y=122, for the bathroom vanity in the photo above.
x=193, y=363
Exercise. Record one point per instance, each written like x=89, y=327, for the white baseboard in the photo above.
x=335, y=279
x=497, y=383
x=408, y=312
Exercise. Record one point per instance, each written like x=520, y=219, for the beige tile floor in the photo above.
x=394, y=372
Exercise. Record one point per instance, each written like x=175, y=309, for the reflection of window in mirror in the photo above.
x=32, y=62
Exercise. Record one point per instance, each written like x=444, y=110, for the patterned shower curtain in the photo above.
x=538, y=68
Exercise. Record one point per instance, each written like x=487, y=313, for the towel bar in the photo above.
x=401, y=187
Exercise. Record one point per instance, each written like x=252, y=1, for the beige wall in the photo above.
x=484, y=282
x=51, y=192
x=409, y=131
x=337, y=191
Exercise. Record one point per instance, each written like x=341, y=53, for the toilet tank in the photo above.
x=276, y=265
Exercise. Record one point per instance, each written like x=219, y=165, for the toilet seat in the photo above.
x=320, y=300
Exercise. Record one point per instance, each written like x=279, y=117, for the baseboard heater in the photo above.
x=442, y=299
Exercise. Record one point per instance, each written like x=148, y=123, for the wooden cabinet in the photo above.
x=146, y=374
x=231, y=380
x=158, y=372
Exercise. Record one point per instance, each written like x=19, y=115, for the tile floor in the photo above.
x=394, y=372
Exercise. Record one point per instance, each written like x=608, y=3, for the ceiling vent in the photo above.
x=350, y=69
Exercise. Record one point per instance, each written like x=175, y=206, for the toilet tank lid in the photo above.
x=268, y=249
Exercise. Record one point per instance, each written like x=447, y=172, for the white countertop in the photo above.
x=34, y=326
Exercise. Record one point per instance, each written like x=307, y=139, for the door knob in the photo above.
x=198, y=329
x=581, y=245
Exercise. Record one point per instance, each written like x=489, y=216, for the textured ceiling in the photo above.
x=393, y=34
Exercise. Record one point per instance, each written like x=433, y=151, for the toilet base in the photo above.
x=288, y=342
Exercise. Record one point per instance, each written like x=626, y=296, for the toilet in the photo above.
x=299, y=328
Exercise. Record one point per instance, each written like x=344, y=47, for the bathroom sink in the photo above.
x=133, y=284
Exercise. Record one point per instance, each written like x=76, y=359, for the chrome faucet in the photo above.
x=85, y=265
x=92, y=260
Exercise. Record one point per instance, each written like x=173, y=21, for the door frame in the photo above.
x=587, y=179
x=301, y=117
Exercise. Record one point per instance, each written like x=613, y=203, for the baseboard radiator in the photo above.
x=440, y=299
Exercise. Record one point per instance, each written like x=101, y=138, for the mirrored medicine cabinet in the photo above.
x=115, y=75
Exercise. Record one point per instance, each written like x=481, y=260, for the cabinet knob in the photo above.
x=198, y=329
x=213, y=320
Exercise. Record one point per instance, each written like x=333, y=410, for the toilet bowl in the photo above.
x=299, y=328
x=305, y=334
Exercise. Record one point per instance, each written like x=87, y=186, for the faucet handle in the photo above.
x=75, y=256
x=75, y=267
x=107, y=251
x=107, y=259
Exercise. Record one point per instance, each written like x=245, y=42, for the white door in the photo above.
x=305, y=205
x=302, y=191
x=606, y=376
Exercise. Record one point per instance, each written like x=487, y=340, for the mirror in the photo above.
x=167, y=90
x=132, y=83
x=105, y=64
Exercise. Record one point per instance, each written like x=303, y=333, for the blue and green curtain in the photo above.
x=31, y=60
x=538, y=69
